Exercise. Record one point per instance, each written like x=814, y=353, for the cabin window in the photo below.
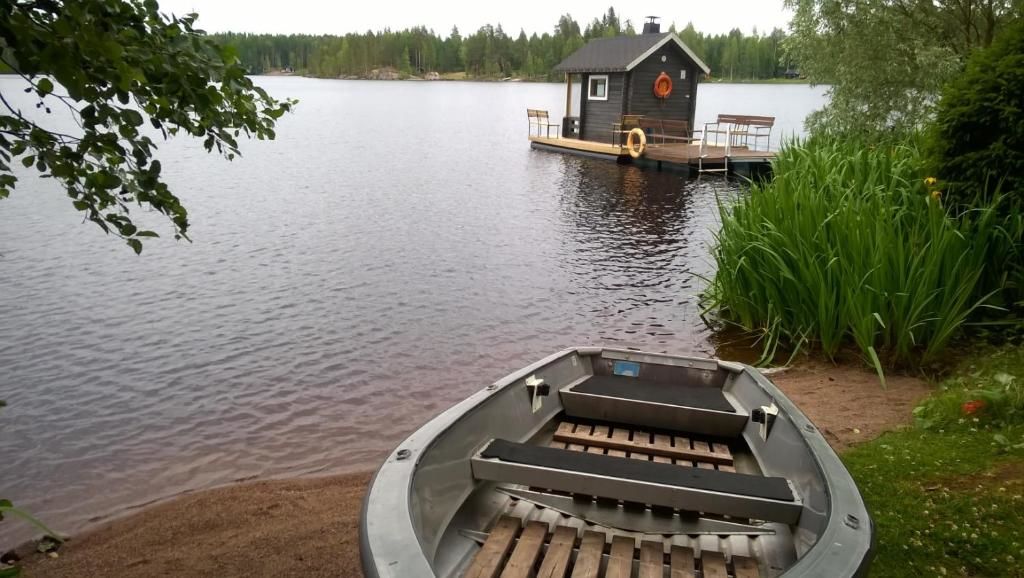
x=598, y=87
x=682, y=74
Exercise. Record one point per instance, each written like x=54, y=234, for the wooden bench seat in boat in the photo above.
x=639, y=444
x=632, y=400
x=645, y=482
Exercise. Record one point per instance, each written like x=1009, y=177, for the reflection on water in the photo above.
x=639, y=243
x=340, y=291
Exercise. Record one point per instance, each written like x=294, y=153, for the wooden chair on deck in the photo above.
x=539, y=119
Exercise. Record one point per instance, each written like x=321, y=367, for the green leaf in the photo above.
x=1004, y=378
x=28, y=161
x=136, y=245
x=132, y=117
x=12, y=572
x=44, y=86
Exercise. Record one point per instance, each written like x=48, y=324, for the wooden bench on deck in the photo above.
x=666, y=131
x=621, y=129
x=514, y=551
x=741, y=129
x=540, y=119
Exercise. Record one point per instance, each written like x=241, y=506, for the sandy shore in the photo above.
x=309, y=527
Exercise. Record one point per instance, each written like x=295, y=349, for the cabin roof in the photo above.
x=621, y=53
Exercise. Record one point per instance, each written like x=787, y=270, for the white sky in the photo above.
x=339, y=17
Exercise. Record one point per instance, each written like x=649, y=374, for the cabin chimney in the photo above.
x=652, y=26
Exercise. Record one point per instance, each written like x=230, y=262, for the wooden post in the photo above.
x=568, y=94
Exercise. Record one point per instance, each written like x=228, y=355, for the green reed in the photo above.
x=848, y=244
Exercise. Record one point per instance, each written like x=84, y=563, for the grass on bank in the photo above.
x=852, y=244
x=947, y=495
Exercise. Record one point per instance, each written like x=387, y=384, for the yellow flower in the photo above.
x=930, y=181
x=937, y=195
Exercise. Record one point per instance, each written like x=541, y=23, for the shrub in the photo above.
x=989, y=391
x=978, y=139
x=848, y=245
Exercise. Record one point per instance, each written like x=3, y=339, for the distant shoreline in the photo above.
x=463, y=77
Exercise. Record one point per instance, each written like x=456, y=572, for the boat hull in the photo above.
x=433, y=499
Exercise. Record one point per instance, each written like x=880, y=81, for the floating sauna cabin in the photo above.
x=634, y=99
x=622, y=76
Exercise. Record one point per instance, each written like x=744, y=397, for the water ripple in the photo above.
x=340, y=291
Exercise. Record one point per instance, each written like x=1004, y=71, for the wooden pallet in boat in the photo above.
x=514, y=551
x=643, y=445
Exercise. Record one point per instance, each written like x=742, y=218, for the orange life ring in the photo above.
x=662, y=86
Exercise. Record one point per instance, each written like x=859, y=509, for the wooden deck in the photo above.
x=582, y=146
x=513, y=550
x=688, y=155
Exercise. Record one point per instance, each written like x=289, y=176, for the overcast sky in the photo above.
x=339, y=17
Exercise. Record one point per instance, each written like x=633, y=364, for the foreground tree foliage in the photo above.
x=116, y=66
x=978, y=139
x=887, y=60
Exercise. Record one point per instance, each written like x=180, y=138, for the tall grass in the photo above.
x=848, y=245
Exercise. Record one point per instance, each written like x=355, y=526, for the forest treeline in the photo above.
x=490, y=52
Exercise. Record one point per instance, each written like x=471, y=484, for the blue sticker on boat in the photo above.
x=626, y=368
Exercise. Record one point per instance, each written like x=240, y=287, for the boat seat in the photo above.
x=634, y=388
x=671, y=406
x=645, y=482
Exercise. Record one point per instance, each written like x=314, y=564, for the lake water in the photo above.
x=398, y=247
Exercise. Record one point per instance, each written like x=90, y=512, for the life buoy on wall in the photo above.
x=636, y=148
x=663, y=86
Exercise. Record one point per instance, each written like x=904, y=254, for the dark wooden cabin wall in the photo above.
x=640, y=94
x=598, y=115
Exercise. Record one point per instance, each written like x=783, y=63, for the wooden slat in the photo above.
x=662, y=445
x=721, y=449
x=525, y=554
x=620, y=563
x=621, y=435
x=559, y=445
x=600, y=431
x=745, y=567
x=726, y=468
x=639, y=456
x=575, y=447
x=662, y=459
x=705, y=466
x=566, y=427
x=652, y=559
x=681, y=442
x=713, y=564
x=595, y=450
x=588, y=560
x=556, y=560
x=702, y=446
x=682, y=562
x=488, y=560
